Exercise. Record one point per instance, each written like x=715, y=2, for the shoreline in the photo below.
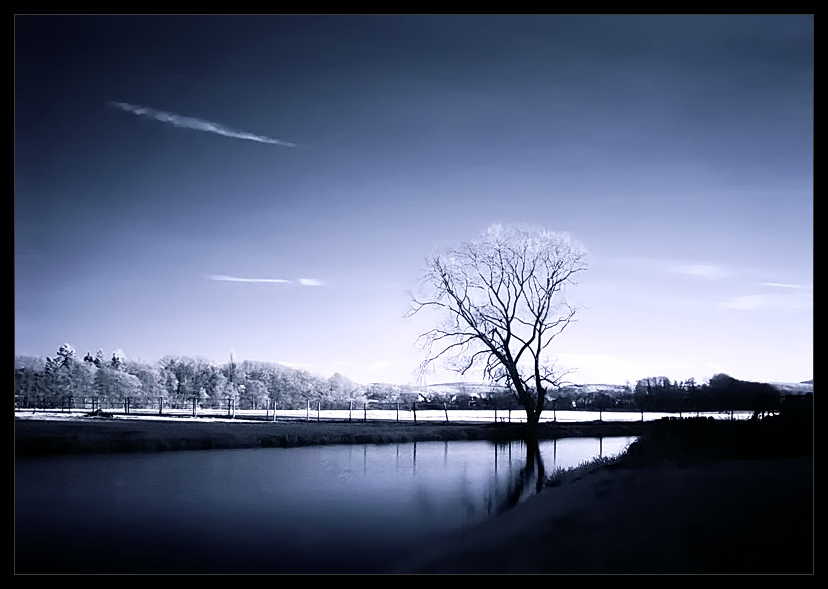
x=44, y=435
x=664, y=508
x=728, y=517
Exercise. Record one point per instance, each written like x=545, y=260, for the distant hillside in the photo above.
x=484, y=390
x=457, y=388
x=794, y=388
x=609, y=389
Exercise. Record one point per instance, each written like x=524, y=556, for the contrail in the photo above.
x=783, y=285
x=235, y=279
x=197, y=124
x=311, y=282
x=302, y=281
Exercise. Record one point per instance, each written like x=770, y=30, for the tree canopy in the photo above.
x=502, y=301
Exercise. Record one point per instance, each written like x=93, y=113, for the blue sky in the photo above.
x=323, y=157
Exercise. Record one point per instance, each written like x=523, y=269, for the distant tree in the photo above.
x=28, y=379
x=118, y=359
x=66, y=354
x=233, y=378
x=58, y=379
x=601, y=402
x=501, y=296
x=114, y=386
x=149, y=377
x=167, y=378
x=343, y=390
x=210, y=377
x=83, y=376
x=178, y=378
x=253, y=395
x=721, y=382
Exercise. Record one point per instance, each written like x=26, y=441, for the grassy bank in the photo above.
x=689, y=497
x=83, y=435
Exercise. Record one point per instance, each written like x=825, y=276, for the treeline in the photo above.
x=109, y=380
x=659, y=394
x=176, y=381
x=654, y=394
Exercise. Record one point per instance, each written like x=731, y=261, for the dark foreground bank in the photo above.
x=82, y=435
x=730, y=517
x=690, y=497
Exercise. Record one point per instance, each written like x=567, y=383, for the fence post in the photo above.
x=495, y=406
x=398, y=412
x=510, y=415
x=445, y=408
x=160, y=404
x=318, y=407
x=414, y=407
x=307, y=412
x=365, y=412
x=274, y=409
x=350, y=409
x=194, y=407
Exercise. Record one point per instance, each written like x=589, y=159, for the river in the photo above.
x=319, y=509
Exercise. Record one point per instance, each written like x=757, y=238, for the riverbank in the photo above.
x=729, y=517
x=689, y=497
x=47, y=434
x=692, y=496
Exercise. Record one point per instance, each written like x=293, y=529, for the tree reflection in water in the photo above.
x=525, y=481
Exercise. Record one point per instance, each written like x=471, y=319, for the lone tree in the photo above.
x=502, y=300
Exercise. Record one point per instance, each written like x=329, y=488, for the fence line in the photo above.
x=370, y=411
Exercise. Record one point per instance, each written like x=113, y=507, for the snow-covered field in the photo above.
x=390, y=416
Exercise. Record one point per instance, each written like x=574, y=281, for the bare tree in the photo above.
x=501, y=298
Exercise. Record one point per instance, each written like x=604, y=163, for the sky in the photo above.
x=270, y=186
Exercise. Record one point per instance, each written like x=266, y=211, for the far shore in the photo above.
x=48, y=434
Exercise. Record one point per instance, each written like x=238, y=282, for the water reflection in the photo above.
x=521, y=483
x=353, y=508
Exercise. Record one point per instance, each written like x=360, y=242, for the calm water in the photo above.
x=328, y=509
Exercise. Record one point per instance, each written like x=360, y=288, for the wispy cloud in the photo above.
x=797, y=300
x=301, y=281
x=237, y=279
x=708, y=271
x=311, y=282
x=746, y=302
x=196, y=124
x=783, y=285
